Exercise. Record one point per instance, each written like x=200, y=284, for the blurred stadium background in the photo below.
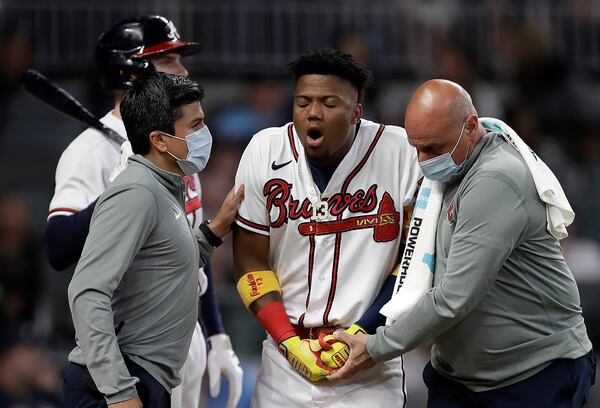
x=535, y=64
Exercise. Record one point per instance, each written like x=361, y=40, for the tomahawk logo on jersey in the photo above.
x=341, y=243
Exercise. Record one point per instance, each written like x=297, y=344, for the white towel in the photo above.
x=559, y=213
x=415, y=271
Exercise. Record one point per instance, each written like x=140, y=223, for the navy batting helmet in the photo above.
x=123, y=50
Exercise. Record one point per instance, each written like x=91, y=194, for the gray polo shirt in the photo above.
x=134, y=291
x=504, y=302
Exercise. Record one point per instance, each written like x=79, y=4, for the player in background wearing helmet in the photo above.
x=129, y=49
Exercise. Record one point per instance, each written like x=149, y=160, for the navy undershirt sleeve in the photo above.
x=210, y=316
x=65, y=236
x=372, y=319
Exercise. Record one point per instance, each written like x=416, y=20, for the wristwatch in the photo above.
x=212, y=239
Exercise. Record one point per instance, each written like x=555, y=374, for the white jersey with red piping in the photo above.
x=330, y=250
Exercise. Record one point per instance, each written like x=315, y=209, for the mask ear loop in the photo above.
x=168, y=152
x=161, y=136
x=468, y=148
x=459, y=137
x=170, y=135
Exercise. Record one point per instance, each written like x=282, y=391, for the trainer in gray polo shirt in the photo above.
x=134, y=293
x=504, y=305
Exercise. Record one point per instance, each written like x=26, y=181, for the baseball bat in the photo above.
x=50, y=93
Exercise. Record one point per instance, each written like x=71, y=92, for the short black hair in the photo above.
x=327, y=61
x=153, y=102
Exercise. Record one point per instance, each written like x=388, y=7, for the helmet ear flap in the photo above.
x=130, y=67
x=123, y=51
x=126, y=68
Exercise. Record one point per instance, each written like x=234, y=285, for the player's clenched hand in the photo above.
x=359, y=357
x=303, y=355
x=132, y=403
x=221, y=224
x=335, y=352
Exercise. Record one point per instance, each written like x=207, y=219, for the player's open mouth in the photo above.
x=315, y=137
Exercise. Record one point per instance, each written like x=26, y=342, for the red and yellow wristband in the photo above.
x=273, y=317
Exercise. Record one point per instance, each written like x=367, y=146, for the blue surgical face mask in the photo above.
x=199, y=144
x=443, y=167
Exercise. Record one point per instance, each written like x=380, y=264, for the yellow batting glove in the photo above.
x=335, y=353
x=355, y=329
x=303, y=355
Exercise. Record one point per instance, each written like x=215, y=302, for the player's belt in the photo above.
x=375, y=221
x=312, y=332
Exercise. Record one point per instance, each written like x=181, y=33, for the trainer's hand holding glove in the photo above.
x=359, y=358
x=126, y=151
x=223, y=361
x=304, y=356
x=335, y=352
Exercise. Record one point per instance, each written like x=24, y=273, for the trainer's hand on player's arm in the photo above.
x=221, y=224
x=359, y=357
x=223, y=361
x=303, y=355
x=132, y=403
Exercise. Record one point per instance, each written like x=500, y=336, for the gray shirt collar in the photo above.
x=485, y=141
x=171, y=181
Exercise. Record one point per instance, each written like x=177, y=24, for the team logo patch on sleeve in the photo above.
x=451, y=213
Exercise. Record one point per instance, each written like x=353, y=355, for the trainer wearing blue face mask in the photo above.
x=503, y=313
x=443, y=167
x=134, y=293
x=199, y=144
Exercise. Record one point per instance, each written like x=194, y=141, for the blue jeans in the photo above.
x=80, y=391
x=563, y=384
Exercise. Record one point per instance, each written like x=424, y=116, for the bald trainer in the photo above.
x=503, y=313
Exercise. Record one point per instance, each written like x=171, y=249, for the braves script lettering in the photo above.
x=385, y=223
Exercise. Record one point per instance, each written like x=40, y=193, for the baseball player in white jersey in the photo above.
x=84, y=172
x=319, y=233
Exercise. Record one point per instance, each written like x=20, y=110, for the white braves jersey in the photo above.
x=330, y=250
x=84, y=169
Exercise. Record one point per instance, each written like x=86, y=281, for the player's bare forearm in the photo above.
x=250, y=252
x=263, y=301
